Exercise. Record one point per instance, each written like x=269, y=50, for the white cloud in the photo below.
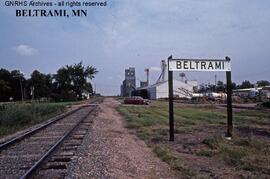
x=25, y=50
x=155, y=69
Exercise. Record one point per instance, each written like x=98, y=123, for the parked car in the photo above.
x=135, y=100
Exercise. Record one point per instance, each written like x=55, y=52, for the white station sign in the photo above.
x=199, y=65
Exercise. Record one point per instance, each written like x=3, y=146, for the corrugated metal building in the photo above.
x=160, y=90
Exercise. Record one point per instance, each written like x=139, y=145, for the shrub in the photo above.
x=212, y=143
x=16, y=116
x=266, y=104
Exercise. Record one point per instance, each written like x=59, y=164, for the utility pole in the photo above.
x=21, y=87
x=20, y=78
x=33, y=92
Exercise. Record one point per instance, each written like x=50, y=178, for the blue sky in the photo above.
x=140, y=34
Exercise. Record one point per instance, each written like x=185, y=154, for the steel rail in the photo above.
x=29, y=133
x=45, y=156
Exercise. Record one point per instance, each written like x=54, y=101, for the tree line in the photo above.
x=221, y=87
x=71, y=82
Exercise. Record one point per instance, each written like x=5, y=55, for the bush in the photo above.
x=266, y=104
x=212, y=143
x=174, y=160
x=16, y=116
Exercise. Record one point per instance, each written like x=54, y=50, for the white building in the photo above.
x=180, y=89
x=266, y=92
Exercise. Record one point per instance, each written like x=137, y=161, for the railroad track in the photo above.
x=48, y=147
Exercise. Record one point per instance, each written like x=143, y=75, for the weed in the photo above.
x=233, y=155
x=168, y=156
x=246, y=153
x=266, y=104
x=213, y=143
x=18, y=116
x=206, y=153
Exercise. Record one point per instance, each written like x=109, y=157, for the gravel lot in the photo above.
x=110, y=151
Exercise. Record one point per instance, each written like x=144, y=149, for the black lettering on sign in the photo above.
x=218, y=65
x=192, y=68
x=186, y=65
x=178, y=65
x=197, y=64
x=210, y=66
x=203, y=65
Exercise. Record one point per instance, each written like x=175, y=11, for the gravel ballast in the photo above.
x=110, y=151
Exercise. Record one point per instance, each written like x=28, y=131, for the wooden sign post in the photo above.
x=200, y=65
x=171, y=113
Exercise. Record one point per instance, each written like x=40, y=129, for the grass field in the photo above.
x=18, y=116
x=200, y=149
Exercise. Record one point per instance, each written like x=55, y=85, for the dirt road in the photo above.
x=110, y=151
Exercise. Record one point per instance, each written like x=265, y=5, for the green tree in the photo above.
x=234, y=86
x=246, y=84
x=5, y=89
x=220, y=86
x=41, y=84
x=11, y=83
x=263, y=83
x=74, y=80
